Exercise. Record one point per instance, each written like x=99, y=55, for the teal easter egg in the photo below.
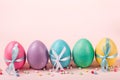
x=60, y=54
x=83, y=53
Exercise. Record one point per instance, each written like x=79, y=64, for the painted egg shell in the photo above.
x=100, y=51
x=83, y=53
x=37, y=55
x=60, y=46
x=21, y=54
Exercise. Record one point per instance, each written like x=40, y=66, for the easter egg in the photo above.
x=60, y=54
x=37, y=55
x=15, y=50
x=83, y=53
x=106, y=50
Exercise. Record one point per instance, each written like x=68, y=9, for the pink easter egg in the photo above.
x=21, y=54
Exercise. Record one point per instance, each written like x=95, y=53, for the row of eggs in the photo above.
x=60, y=53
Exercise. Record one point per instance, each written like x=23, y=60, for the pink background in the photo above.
x=48, y=20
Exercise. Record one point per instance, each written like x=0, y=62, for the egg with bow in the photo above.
x=83, y=53
x=37, y=55
x=15, y=56
x=106, y=53
x=60, y=54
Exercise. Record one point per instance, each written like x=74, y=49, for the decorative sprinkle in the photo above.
x=40, y=74
x=36, y=71
x=48, y=74
x=71, y=67
x=67, y=67
x=116, y=66
x=86, y=70
x=68, y=72
x=80, y=68
x=1, y=73
x=44, y=69
x=17, y=70
x=50, y=70
x=109, y=69
x=92, y=72
x=62, y=73
x=81, y=73
x=62, y=70
x=26, y=72
x=17, y=75
x=95, y=73
x=65, y=72
x=115, y=69
x=96, y=69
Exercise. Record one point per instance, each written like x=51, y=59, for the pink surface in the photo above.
x=48, y=20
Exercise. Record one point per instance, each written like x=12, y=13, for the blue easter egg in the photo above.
x=60, y=51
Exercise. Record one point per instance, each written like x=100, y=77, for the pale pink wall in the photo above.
x=48, y=20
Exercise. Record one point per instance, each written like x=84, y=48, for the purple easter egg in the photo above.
x=37, y=55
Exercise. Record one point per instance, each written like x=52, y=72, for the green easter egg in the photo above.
x=83, y=53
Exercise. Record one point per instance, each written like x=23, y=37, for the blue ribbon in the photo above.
x=11, y=67
x=57, y=59
x=106, y=50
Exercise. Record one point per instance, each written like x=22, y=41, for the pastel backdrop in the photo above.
x=49, y=20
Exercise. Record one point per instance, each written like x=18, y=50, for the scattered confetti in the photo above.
x=109, y=69
x=1, y=73
x=44, y=69
x=95, y=73
x=62, y=73
x=40, y=74
x=80, y=68
x=81, y=73
x=26, y=72
x=116, y=66
x=36, y=71
x=92, y=72
x=17, y=75
x=67, y=67
x=50, y=70
x=65, y=72
x=17, y=70
x=115, y=69
x=71, y=67
x=68, y=72
x=48, y=74
x=61, y=70
x=96, y=69
x=86, y=70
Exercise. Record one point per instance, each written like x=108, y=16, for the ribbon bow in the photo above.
x=11, y=67
x=106, y=50
x=58, y=58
